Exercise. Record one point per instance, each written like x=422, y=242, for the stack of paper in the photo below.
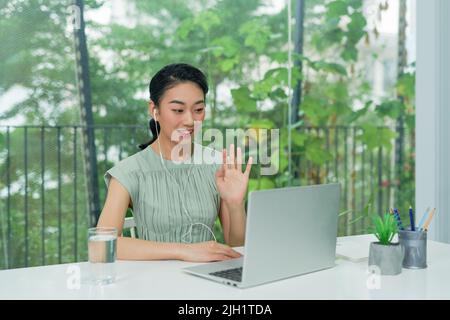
x=355, y=251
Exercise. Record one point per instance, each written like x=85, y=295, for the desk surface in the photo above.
x=165, y=280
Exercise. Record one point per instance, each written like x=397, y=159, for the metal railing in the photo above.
x=44, y=213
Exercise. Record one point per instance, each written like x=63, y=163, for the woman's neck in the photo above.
x=167, y=146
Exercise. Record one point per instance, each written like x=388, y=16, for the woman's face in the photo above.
x=179, y=107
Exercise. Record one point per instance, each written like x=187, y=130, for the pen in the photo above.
x=425, y=227
x=423, y=219
x=411, y=218
x=399, y=221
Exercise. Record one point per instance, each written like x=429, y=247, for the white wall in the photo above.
x=433, y=114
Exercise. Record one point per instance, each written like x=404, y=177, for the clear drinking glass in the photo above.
x=102, y=244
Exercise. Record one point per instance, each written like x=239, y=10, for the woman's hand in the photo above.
x=208, y=251
x=231, y=181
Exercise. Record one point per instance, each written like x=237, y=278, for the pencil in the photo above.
x=411, y=219
x=425, y=227
x=419, y=226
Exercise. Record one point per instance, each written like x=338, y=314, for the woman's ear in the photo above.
x=151, y=109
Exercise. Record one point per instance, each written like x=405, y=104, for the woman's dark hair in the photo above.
x=166, y=78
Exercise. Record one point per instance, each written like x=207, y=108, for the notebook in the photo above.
x=352, y=250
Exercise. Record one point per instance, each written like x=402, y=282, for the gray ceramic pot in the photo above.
x=388, y=259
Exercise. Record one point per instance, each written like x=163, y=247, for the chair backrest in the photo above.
x=129, y=223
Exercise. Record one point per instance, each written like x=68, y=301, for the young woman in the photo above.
x=175, y=202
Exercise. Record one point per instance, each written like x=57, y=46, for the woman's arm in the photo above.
x=232, y=219
x=113, y=215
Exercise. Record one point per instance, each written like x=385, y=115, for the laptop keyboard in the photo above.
x=232, y=274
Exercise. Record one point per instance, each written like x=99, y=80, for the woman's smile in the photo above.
x=185, y=133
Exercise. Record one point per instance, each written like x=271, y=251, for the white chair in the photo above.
x=130, y=224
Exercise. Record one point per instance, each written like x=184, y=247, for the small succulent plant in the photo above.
x=385, y=228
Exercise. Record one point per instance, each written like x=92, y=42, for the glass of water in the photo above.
x=102, y=254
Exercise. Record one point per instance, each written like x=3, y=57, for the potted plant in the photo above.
x=385, y=254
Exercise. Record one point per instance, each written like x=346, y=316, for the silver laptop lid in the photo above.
x=290, y=231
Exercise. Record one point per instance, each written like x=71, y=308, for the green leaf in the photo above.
x=391, y=108
x=242, y=100
x=256, y=34
x=337, y=91
x=336, y=9
x=252, y=185
x=260, y=184
x=185, y=28
x=228, y=64
x=316, y=153
x=278, y=94
x=207, y=19
x=375, y=137
x=262, y=124
x=410, y=120
x=350, y=53
x=355, y=4
x=385, y=228
x=278, y=56
x=315, y=110
x=329, y=67
x=355, y=115
x=278, y=75
x=356, y=27
x=225, y=46
x=406, y=85
x=298, y=139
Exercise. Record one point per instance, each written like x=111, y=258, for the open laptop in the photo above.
x=289, y=232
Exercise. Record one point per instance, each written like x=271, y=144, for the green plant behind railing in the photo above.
x=227, y=52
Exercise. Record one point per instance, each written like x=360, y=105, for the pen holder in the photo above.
x=415, y=245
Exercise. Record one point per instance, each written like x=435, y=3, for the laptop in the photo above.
x=289, y=232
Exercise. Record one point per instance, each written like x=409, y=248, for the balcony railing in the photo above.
x=44, y=210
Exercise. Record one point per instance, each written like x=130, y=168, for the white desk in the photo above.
x=165, y=280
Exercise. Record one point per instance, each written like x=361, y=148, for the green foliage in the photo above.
x=333, y=35
x=233, y=45
x=218, y=231
x=256, y=35
x=314, y=151
x=375, y=137
x=242, y=100
x=390, y=108
x=260, y=184
x=385, y=228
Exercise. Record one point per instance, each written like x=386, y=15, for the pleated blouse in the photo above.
x=158, y=195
